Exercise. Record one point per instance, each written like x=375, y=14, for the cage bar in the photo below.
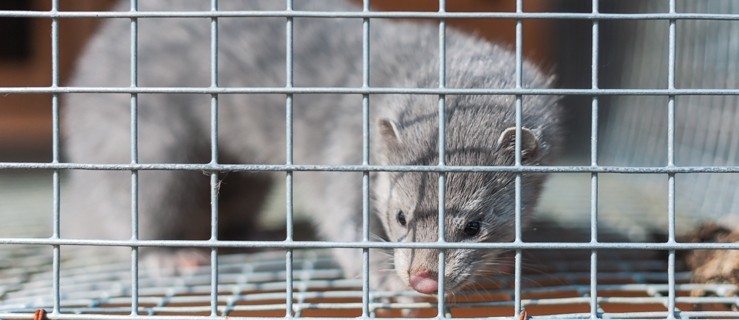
x=441, y=306
x=289, y=60
x=366, y=312
x=595, y=309
x=134, y=160
x=376, y=14
x=109, y=289
x=518, y=273
x=214, y=179
x=56, y=211
x=671, y=309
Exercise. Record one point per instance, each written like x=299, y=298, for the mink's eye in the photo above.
x=472, y=228
x=401, y=218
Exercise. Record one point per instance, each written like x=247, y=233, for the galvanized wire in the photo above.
x=372, y=245
x=373, y=90
x=134, y=160
x=56, y=185
x=299, y=281
x=441, y=306
x=371, y=168
x=254, y=284
x=375, y=14
x=595, y=309
x=366, y=312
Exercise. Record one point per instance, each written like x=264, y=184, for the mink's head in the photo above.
x=479, y=206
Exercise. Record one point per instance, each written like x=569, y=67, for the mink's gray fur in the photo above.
x=175, y=128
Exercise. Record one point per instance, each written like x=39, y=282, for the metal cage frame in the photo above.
x=215, y=310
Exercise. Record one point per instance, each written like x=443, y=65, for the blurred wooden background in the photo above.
x=25, y=60
x=25, y=119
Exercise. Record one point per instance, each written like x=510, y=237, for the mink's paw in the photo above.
x=169, y=263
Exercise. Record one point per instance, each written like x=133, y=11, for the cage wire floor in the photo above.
x=556, y=284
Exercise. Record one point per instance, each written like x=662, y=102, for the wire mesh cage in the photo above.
x=556, y=284
x=589, y=253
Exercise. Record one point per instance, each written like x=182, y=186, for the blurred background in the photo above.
x=25, y=56
x=25, y=61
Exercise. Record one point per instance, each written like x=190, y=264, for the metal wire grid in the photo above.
x=254, y=286
x=556, y=284
x=212, y=283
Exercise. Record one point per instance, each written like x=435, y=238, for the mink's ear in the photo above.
x=507, y=144
x=389, y=132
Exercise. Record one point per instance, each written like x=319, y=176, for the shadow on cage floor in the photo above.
x=554, y=283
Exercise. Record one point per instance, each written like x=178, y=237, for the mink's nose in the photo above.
x=424, y=282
